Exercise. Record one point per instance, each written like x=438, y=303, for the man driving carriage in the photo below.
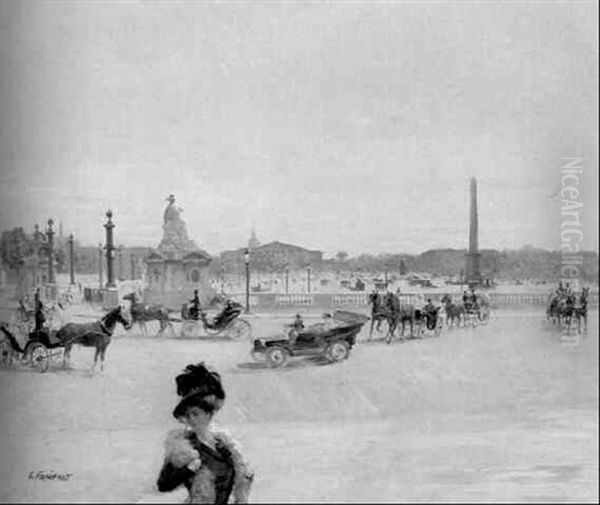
x=430, y=312
x=40, y=319
x=194, y=309
x=470, y=301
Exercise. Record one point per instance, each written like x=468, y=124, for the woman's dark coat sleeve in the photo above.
x=171, y=477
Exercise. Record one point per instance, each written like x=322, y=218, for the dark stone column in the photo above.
x=50, y=235
x=473, y=270
x=110, y=248
x=71, y=259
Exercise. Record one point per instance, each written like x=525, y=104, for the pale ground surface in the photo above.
x=505, y=412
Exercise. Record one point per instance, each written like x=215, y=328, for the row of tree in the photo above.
x=525, y=263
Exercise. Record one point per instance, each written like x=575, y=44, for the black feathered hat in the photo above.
x=198, y=385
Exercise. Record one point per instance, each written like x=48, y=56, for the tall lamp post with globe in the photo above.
x=247, y=262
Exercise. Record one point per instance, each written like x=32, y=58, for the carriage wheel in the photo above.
x=278, y=356
x=338, y=351
x=39, y=357
x=240, y=329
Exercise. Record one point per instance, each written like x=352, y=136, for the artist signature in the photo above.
x=49, y=475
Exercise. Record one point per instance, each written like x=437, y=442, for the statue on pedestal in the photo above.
x=175, y=237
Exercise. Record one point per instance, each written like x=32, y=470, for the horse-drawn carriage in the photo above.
x=429, y=321
x=41, y=348
x=475, y=315
x=227, y=323
x=566, y=309
x=469, y=313
x=45, y=345
x=333, y=344
x=399, y=314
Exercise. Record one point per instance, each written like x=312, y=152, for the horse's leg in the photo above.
x=391, y=329
x=66, y=352
x=96, y=354
x=102, y=353
x=372, y=325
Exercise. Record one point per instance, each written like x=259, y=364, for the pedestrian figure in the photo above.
x=207, y=461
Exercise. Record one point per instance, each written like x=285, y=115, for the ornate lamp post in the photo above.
x=71, y=259
x=50, y=235
x=247, y=261
x=100, y=269
x=110, y=251
x=287, y=279
x=132, y=263
x=308, y=278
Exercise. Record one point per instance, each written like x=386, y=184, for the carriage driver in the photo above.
x=39, y=311
x=195, y=305
x=430, y=311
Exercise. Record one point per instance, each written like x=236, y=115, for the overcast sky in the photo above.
x=333, y=125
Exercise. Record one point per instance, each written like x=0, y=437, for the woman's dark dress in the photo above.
x=218, y=461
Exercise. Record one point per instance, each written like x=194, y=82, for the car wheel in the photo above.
x=278, y=356
x=338, y=351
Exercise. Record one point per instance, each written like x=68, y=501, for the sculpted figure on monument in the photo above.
x=175, y=233
x=172, y=213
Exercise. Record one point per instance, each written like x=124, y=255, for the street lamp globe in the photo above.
x=247, y=256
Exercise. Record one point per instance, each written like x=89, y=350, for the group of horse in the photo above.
x=96, y=334
x=396, y=313
x=566, y=309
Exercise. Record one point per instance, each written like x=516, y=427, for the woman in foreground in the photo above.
x=206, y=460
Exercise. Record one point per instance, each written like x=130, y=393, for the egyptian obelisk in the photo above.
x=473, y=269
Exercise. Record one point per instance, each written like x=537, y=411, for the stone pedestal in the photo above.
x=172, y=279
x=110, y=298
x=51, y=291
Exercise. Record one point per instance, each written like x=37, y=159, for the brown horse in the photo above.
x=398, y=312
x=378, y=314
x=561, y=309
x=97, y=334
x=141, y=314
x=580, y=310
x=454, y=311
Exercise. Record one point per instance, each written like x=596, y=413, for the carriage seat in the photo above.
x=46, y=337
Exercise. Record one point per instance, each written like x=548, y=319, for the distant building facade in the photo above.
x=272, y=256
